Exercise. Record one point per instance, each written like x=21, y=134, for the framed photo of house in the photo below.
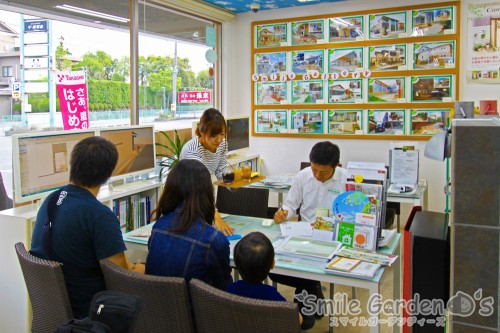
x=271, y=121
x=307, y=121
x=350, y=59
x=306, y=61
x=345, y=91
x=434, y=55
x=386, y=90
x=429, y=121
x=345, y=121
x=346, y=29
x=431, y=88
x=432, y=21
x=271, y=35
x=271, y=93
x=387, y=57
x=307, y=92
x=308, y=32
x=386, y=122
x=387, y=25
x=270, y=63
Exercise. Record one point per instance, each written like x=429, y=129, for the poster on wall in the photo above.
x=307, y=61
x=308, y=32
x=307, y=121
x=386, y=122
x=271, y=121
x=307, y=92
x=271, y=93
x=271, y=35
x=346, y=29
x=433, y=21
x=434, y=55
x=345, y=122
x=345, y=91
x=387, y=57
x=429, y=121
x=270, y=63
x=483, y=47
x=431, y=88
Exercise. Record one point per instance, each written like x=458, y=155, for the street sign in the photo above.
x=35, y=26
x=16, y=90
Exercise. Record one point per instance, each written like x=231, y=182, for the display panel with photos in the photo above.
x=307, y=32
x=350, y=59
x=307, y=121
x=271, y=93
x=271, y=35
x=387, y=57
x=433, y=21
x=386, y=122
x=304, y=61
x=270, y=63
x=431, y=88
x=345, y=91
x=434, y=55
x=344, y=121
x=429, y=121
x=345, y=29
x=387, y=25
x=271, y=121
x=386, y=90
x=307, y=92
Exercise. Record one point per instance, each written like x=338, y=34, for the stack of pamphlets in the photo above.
x=368, y=256
x=386, y=237
x=285, y=179
x=352, y=267
x=309, y=248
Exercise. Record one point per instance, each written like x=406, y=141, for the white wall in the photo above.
x=281, y=155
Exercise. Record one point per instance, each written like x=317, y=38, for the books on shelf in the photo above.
x=133, y=212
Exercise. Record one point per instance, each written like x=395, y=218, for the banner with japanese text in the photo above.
x=72, y=92
x=483, y=47
x=194, y=97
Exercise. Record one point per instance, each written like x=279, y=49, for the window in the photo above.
x=7, y=71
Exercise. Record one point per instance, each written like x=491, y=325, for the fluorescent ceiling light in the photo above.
x=92, y=13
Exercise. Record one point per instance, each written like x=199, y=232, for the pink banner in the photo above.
x=72, y=92
x=193, y=97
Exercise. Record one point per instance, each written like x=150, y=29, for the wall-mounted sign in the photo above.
x=36, y=26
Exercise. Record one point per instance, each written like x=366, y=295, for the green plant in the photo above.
x=172, y=156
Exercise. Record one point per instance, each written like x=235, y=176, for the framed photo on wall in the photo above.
x=434, y=55
x=271, y=35
x=308, y=32
x=345, y=121
x=386, y=90
x=387, y=25
x=350, y=59
x=431, y=88
x=307, y=92
x=345, y=91
x=387, y=57
x=346, y=29
x=270, y=63
x=271, y=121
x=432, y=21
x=429, y=121
x=304, y=61
x=307, y=121
x=271, y=93
x=386, y=122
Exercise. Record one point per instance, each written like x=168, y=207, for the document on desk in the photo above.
x=296, y=228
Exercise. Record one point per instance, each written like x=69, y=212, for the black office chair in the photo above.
x=243, y=201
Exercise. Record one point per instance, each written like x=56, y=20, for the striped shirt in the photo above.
x=215, y=162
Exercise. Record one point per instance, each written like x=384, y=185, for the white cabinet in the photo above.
x=16, y=226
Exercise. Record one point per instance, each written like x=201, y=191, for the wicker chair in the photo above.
x=217, y=311
x=47, y=291
x=243, y=201
x=165, y=300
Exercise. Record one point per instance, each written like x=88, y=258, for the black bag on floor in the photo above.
x=117, y=310
x=84, y=325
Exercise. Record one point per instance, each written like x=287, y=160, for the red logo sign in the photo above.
x=194, y=97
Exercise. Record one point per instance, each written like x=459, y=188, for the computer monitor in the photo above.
x=41, y=162
x=136, y=149
x=238, y=134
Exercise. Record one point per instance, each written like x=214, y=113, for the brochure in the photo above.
x=343, y=264
x=357, y=235
x=308, y=248
x=386, y=237
x=296, y=228
x=369, y=256
x=363, y=270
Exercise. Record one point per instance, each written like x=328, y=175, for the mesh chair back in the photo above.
x=165, y=302
x=217, y=311
x=47, y=291
x=243, y=201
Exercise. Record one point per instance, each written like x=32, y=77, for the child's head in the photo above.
x=254, y=257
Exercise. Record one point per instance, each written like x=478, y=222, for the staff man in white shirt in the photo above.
x=314, y=187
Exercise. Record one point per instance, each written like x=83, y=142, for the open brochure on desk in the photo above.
x=361, y=270
x=304, y=247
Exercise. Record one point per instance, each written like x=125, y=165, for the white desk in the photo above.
x=307, y=269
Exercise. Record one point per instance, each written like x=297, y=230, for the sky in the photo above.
x=80, y=39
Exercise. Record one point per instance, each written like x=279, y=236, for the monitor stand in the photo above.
x=236, y=156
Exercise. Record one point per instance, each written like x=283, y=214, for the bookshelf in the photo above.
x=17, y=224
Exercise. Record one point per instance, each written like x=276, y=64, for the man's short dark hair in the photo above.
x=325, y=153
x=254, y=257
x=92, y=162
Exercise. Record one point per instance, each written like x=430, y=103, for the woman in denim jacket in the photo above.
x=183, y=242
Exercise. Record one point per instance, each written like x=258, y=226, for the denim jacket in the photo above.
x=201, y=252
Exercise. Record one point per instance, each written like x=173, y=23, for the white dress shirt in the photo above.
x=308, y=193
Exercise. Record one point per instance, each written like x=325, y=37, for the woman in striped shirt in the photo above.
x=210, y=147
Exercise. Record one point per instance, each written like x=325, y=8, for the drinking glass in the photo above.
x=228, y=175
x=246, y=171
